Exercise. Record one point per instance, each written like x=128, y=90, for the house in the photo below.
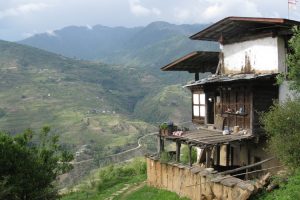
x=227, y=103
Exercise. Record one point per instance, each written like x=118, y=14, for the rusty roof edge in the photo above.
x=164, y=68
x=207, y=28
x=190, y=55
x=228, y=78
x=249, y=19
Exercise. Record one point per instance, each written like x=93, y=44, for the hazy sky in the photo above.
x=22, y=18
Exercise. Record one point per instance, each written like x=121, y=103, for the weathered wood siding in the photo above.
x=263, y=97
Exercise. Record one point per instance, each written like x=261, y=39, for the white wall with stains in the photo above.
x=265, y=55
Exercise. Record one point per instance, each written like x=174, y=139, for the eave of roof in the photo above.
x=231, y=78
x=233, y=29
x=205, y=138
x=197, y=61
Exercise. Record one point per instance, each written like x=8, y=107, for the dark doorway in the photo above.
x=210, y=109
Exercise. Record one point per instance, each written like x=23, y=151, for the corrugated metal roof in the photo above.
x=198, y=61
x=234, y=29
x=230, y=78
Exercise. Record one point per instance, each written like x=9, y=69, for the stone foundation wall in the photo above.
x=195, y=182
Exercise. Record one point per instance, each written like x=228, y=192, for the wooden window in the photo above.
x=199, y=105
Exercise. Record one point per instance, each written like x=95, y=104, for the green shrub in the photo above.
x=165, y=157
x=282, y=125
x=185, y=155
x=287, y=191
x=28, y=169
x=115, y=174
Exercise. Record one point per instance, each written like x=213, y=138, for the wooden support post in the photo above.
x=159, y=144
x=218, y=154
x=196, y=76
x=190, y=156
x=246, y=175
x=227, y=154
x=178, y=145
x=208, y=155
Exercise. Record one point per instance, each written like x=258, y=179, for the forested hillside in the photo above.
x=87, y=102
x=147, y=47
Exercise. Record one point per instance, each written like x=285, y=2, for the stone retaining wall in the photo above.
x=195, y=182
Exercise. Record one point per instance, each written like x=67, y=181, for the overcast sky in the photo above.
x=22, y=18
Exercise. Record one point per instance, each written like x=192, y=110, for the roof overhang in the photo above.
x=205, y=138
x=234, y=29
x=195, y=62
x=218, y=79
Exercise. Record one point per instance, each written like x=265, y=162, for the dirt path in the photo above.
x=126, y=190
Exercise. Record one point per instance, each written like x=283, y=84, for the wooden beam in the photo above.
x=218, y=154
x=227, y=154
x=162, y=144
x=196, y=76
x=208, y=155
x=246, y=167
x=190, y=156
x=159, y=144
x=178, y=145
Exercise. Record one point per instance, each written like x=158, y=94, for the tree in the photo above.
x=28, y=169
x=282, y=122
x=282, y=125
x=293, y=60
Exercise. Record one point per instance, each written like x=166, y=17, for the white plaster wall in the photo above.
x=199, y=152
x=285, y=93
x=263, y=54
x=282, y=67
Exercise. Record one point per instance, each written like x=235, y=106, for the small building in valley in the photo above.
x=226, y=107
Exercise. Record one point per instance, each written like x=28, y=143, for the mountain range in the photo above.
x=150, y=47
x=99, y=86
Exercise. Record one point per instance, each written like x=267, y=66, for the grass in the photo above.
x=287, y=191
x=150, y=193
x=102, y=183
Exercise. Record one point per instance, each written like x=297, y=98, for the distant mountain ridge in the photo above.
x=152, y=46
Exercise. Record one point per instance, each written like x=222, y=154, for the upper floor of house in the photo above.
x=243, y=73
x=247, y=45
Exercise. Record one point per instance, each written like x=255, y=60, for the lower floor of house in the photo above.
x=221, y=152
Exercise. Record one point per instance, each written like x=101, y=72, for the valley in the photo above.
x=103, y=108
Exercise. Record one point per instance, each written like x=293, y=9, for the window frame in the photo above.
x=201, y=114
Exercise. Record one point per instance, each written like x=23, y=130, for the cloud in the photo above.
x=137, y=9
x=51, y=33
x=203, y=11
x=220, y=9
x=89, y=27
x=22, y=9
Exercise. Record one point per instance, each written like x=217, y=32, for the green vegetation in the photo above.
x=185, y=155
x=102, y=183
x=113, y=175
x=165, y=157
x=169, y=103
x=147, y=47
x=282, y=125
x=109, y=181
x=150, y=193
x=28, y=168
x=89, y=103
x=289, y=190
x=294, y=59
